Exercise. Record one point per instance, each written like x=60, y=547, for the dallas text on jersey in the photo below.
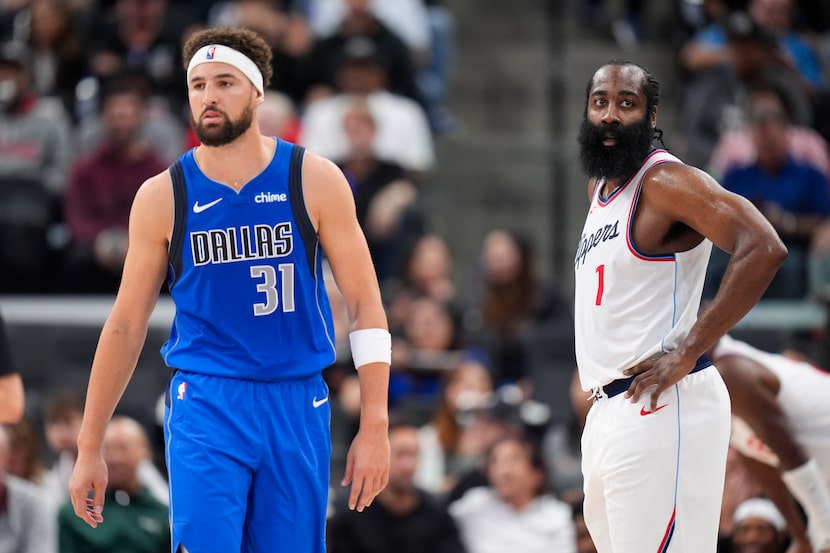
x=241, y=243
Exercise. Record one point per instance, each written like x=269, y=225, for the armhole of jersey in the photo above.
x=295, y=189
x=174, y=255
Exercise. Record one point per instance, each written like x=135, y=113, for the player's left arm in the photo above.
x=680, y=193
x=331, y=206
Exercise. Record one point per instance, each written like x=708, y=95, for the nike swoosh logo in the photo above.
x=644, y=411
x=200, y=208
x=318, y=402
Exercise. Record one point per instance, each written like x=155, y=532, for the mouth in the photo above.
x=212, y=117
x=610, y=139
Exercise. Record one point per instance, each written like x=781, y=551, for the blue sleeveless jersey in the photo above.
x=246, y=275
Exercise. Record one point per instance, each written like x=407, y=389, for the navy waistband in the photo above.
x=617, y=387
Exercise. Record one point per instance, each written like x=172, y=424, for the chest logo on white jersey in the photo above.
x=588, y=241
x=200, y=208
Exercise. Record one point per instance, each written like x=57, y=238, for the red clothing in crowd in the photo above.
x=101, y=189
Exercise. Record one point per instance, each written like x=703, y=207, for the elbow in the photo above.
x=778, y=253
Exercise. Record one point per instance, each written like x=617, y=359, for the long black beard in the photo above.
x=225, y=133
x=619, y=161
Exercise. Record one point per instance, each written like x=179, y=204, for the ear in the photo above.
x=258, y=98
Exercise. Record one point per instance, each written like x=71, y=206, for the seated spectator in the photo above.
x=796, y=54
x=423, y=349
x=37, y=131
x=510, y=305
x=27, y=521
x=713, y=102
x=58, y=50
x=514, y=512
x=426, y=269
x=386, y=201
x=35, y=151
x=736, y=147
x=359, y=21
x=100, y=192
x=160, y=129
x=24, y=460
x=447, y=450
x=792, y=195
x=143, y=36
x=758, y=527
x=403, y=518
x=427, y=28
x=135, y=521
x=403, y=133
x=62, y=417
x=277, y=117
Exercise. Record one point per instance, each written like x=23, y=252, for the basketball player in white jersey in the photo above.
x=781, y=428
x=655, y=440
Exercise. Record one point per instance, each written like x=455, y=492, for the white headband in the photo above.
x=762, y=508
x=225, y=54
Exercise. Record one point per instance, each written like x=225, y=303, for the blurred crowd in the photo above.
x=486, y=412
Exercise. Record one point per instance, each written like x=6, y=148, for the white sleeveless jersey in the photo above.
x=629, y=306
x=803, y=398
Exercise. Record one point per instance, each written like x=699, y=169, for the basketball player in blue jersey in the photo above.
x=238, y=226
x=655, y=439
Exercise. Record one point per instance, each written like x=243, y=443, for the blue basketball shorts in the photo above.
x=248, y=464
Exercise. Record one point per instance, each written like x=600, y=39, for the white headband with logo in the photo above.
x=218, y=52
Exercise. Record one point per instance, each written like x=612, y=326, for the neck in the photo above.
x=236, y=163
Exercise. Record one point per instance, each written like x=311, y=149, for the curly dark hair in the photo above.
x=242, y=40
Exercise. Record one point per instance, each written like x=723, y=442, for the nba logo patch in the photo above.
x=180, y=390
x=211, y=51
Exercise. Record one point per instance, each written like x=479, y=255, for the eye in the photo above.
x=627, y=103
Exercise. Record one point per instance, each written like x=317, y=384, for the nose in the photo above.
x=610, y=114
x=209, y=97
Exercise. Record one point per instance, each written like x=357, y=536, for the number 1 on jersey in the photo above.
x=600, y=283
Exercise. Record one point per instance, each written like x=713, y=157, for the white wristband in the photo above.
x=371, y=345
x=807, y=485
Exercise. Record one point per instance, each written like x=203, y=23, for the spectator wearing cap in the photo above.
x=403, y=132
x=359, y=21
x=758, y=527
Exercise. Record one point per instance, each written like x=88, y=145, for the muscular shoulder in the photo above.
x=676, y=189
x=324, y=186
x=153, y=204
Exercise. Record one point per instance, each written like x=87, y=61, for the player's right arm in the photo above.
x=122, y=338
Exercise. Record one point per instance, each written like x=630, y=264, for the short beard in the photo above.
x=619, y=161
x=227, y=132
